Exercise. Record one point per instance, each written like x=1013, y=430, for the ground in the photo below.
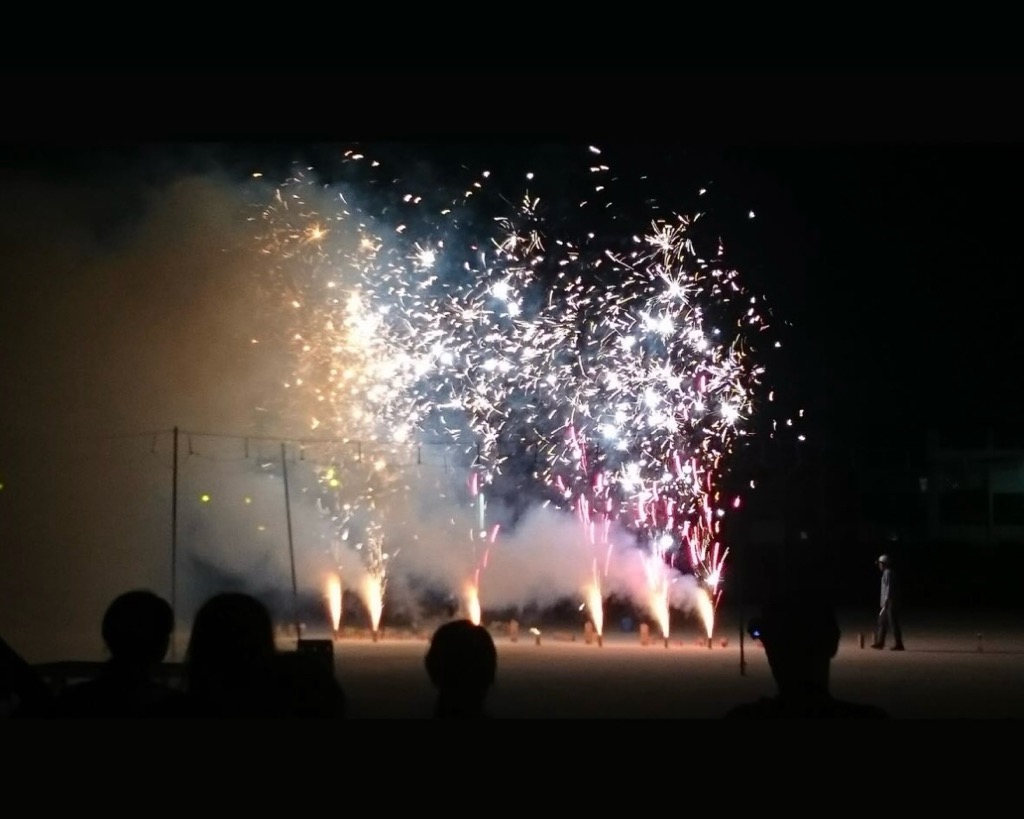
x=941, y=674
x=965, y=664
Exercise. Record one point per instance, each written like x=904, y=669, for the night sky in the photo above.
x=894, y=260
x=895, y=265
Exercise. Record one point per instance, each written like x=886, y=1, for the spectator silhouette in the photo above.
x=800, y=636
x=137, y=628
x=230, y=660
x=461, y=663
x=233, y=668
x=23, y=693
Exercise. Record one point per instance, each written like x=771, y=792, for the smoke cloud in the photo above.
x=129, y=309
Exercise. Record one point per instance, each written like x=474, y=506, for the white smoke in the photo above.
x=119, y=336
x=434, y=541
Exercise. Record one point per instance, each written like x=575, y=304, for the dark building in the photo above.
x=975, y=486
x=946, y=502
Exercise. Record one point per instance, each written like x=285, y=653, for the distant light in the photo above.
x=204, y=498
x=750, y=215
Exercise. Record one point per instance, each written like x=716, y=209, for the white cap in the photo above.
x=883, y=558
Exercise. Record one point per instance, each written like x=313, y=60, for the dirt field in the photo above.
x=942, y=674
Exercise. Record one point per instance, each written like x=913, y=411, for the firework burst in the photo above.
x=611, y=367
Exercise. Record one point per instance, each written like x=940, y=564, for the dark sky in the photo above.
x=895, y=264
x=901, y=274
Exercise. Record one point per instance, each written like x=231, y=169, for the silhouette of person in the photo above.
x=800, y=636
x=137, y=628
x=230, y=662
x=889, y=613
x=23, y=693
x=461, y=662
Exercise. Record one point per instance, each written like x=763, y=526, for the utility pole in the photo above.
x=174, y=546
x=291, y=543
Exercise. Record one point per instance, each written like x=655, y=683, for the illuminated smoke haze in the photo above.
x=142, y=307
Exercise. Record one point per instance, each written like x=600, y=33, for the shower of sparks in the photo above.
x=480, y=539
x=706, y=609
x=656, y=569
x=595, y=603
x=353, y=494
x=588, y=496
x=616, y=363
x=334, y=600
x=375, y=581
x=473, y=604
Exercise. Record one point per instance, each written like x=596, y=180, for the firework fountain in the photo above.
x=586, y=494
x=619, y=361
x=334, y=598
x=481, y=541
x=375, y=580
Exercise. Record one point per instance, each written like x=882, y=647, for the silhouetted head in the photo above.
x=462, y=661
x=232, y=637
x=800, y=635
x=884, y=562
x=137, y=628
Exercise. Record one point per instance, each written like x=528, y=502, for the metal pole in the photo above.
x=291, y=543
x=739, y=600
x=174, y=546
x=742, y=537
